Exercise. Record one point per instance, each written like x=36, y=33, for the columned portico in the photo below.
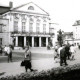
x=33, y=41
x=39, y=41
x=16, y=41
x=46, y=41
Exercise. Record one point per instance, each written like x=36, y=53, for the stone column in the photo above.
x=32, y=41
x=24, y=40
x=16, y=40
x=46, y=41
x=39, y=41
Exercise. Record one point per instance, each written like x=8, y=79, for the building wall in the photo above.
x=12, y=18
x=55, y=30
x=4, y=34
x=76, y=32
x=27, y=17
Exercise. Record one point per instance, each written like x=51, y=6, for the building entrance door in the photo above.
x=36, y=41
x=43, y=42
x=21, y=41
x=29, y=41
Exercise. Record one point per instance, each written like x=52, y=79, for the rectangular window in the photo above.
x=44, y=28
x=23, y=27
x=0, y=41
x=30, y=27
x=37, y=27
x=51, y=30
x=15, y=26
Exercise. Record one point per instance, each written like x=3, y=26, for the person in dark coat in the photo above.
x=10, y=53
x=63, y=56
x=67, y=48
x=27, y=60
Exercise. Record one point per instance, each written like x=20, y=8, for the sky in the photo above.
x=62, y=12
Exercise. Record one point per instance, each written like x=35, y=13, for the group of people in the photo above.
x=64, y=52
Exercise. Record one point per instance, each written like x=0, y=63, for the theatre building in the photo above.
x=28, y=24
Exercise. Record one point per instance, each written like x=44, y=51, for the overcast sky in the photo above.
x=63, y=12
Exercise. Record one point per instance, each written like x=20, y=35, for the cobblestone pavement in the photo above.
x=41, y=62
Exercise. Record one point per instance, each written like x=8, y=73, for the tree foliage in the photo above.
x=60, y=37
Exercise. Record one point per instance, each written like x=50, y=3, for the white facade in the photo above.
x=55, y=28
x=28, y=23
x=76, y=32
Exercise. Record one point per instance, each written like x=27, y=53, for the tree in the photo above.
x=60, y=37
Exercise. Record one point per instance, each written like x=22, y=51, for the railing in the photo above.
x=34, y=33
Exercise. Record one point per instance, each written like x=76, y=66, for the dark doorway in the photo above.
x=21, y=41
x=29, y=41
x=36, y=41
x=43, y=41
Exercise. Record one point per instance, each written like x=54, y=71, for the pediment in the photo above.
x=31, y=8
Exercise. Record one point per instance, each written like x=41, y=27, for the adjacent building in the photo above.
x=54, y=28
x=27, y=24
x=76, y=32
x=68, y=37
x=4, y=24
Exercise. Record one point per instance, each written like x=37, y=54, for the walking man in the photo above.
x=67, y=49
x=9, y=52
x=63, y=56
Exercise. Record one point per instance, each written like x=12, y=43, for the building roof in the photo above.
x=4, y=9
x=68, y=33
x=30, y=8
x=77, y=23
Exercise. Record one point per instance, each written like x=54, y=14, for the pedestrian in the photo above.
x=67, y=49
x=63, y=56
x=72, y=51
x=56, y=48
x=59, y=51
x=55, y=56
x=9, y=53
x=10, y=46
x=5, y=50
x=27, y=60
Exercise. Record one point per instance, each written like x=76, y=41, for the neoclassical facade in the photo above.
x=28, y=25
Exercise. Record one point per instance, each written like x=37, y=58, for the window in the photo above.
x=44, y=28
x=0, y=41
x=15, y=26
x=30, y=8
x=37, y=27
x=51, y=30
x=30, y=27
x=23, y=26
